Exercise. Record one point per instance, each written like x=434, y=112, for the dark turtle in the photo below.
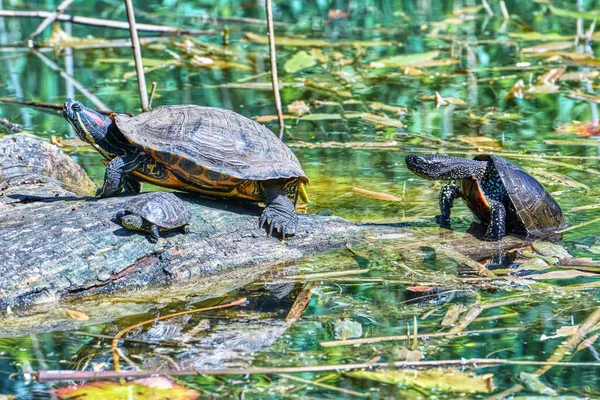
x=500, y=194
x=154, y=213
x=200, y=149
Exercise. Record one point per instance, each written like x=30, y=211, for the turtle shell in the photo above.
x=536, y=209
x=210, y=147
x=160, y=208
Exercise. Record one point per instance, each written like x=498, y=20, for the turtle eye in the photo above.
x=76, y=107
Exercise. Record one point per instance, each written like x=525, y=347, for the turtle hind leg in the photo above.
x=280, y=212
x=131, y=185
x=154, y=234
x=497, y=227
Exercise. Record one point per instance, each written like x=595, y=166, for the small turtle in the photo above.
x=154, y=213
x=499, y=193
x=208, y=150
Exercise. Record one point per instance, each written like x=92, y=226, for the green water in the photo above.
x=487, y=58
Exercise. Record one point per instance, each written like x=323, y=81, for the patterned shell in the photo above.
x=160, y=208
x=187, y=136
x=535, y=207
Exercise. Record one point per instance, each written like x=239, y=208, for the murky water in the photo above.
x=357, y=143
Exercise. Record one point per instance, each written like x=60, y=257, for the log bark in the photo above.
x=59, y=249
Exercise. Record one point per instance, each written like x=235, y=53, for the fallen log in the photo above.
x=61, y=249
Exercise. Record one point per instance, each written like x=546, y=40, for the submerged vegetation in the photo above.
x=362, y=85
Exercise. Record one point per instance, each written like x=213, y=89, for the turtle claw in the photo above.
x=277, y=223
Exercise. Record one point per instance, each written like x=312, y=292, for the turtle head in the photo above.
x=440, y=167
x=133, y=222
x=89, y=125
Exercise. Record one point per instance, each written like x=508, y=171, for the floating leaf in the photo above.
x=567, y=274
x=155, y=388
x=376, y=106
x=405, y=60
x=329, y=117
x=559, y=12
x=533, y=264
x=263, y=119
x=481, y=141
x=301, y=42
x=347, y=329
x=579, y=76
x=382, y=120
x=537, y=36
x=551, y=250
x=445, y=380
x=78, y=315
x=585, y=128
x=549, y=46
x=533, y=383
x=319, y=56
x=563, y=331
x=299, y=61
x=377, y=195
x=442, y=101
x=298, y=107
x=452, y=315
x=552, y=75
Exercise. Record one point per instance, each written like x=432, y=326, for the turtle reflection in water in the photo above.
x=500, y=194
x=154, y=213
x=207, y=150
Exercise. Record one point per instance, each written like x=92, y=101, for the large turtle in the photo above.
x=499, y=193
x=154, y=212
x=200, y=149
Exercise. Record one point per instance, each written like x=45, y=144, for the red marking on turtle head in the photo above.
x=95, y=117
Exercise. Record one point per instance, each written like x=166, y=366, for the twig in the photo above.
x=487, y=7
x=43, y=105
x=352, y=342
x=469, y=317
x=71, y=79
x=137, y=55
x=63, y=375
x=152, y=90
x=505, y=13
x=325, y=275
x=106, y=23
x=150, y=342
x=301, y=303
x=570, y=228
x=115, y=341
x=325, y=386
x=566, y=347
x=273, y=57
x=50, y=19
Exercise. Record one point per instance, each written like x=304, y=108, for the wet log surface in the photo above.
x=59, y=247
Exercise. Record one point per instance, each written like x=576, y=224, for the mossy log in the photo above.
x=59, y=246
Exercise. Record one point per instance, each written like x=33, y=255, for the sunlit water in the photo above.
x=482, y=46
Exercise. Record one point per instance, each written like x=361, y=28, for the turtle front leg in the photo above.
x=186, y=229
x=497, y=227
x=280, y=212
x=115, y=176
x=448, y=193
x=154, y=234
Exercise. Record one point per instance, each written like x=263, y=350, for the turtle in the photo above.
x=500, y=194
x=207, y=150
x=154, y=212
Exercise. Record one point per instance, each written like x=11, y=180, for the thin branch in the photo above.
x=325, y=386
x=115, y=341
x=50, y=19
x=137, y=55
x=63, y=375
x=107, y=23
x=352, y=342
x=51, y=106
x=487, y=7
x=273, y=56
x=71, y=79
